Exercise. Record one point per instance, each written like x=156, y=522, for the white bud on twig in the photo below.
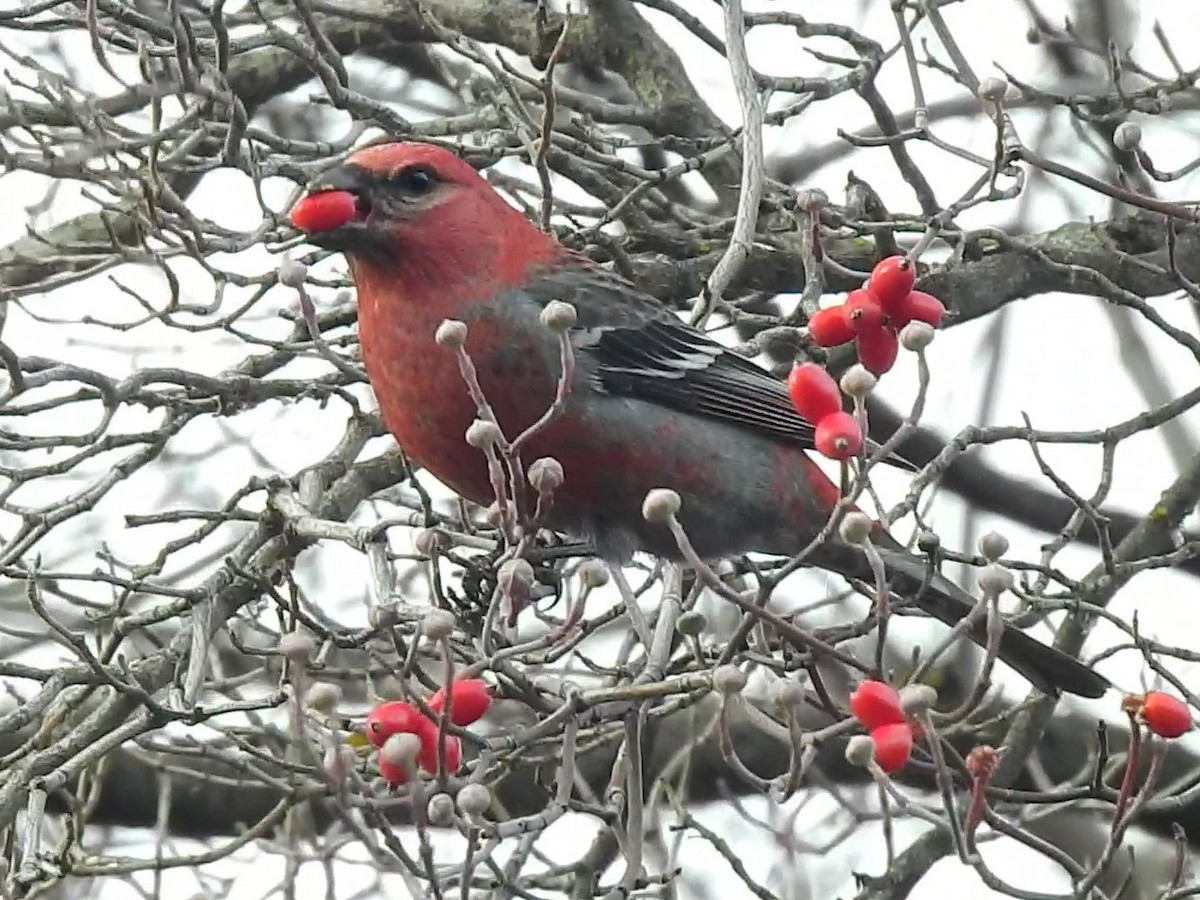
x=558, y=316
x=483, y=434
x=297, y=647
x=858, y=382
x=917, y=699
x=916, y=336
x=855, y=528
x=451, y=334
x=660, y=505
x=812, y=200
x=292, y=273
x=691, y=623
x=429, y=541
x=515, y=577
x=323, y=697
x=994, y=580
x=401, y=750
x=993, y=545
x=593, y=574
x=545, y=474
x=474, y=800
x=1127, y=136
x=928, y=541
x=440, y=810
x=383, y=615
x=438, y=624
x=993, y=88
x=493, y=513
x=787, y=693
x=860, y=750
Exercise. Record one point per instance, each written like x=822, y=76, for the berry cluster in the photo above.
x=816, y=398
x=469, y=700
x=872, y=315
x=876, y=705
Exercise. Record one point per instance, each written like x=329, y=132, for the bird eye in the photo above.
x=415, y=181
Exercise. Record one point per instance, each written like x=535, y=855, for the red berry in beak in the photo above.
x=323, y=211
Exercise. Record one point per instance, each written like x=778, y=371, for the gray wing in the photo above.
x=633, y=346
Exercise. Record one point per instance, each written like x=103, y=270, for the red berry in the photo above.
x=323, y=211
x=893, y=746
x=875, y=703
x=452, y=749
x=877, y=350
x=891, y=280
x=469, y=701
x=838, y=436
x=394, y=717
x=920, y=306
x=1164, y=715
x=830, y=327
x=392, y=773
x=398, y=717
x=863, y=311
x=813, y=391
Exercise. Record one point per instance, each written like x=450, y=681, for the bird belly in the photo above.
x=740, y=491
x=425, y=402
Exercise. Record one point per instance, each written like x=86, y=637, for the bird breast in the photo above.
x=423, y=396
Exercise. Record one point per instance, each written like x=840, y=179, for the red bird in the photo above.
x=654, y=402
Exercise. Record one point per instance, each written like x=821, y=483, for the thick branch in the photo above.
x=1121, y=250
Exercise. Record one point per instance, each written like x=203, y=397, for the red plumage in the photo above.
x=654, y=403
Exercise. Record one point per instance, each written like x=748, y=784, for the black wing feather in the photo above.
x=640, y=349
x=675, y=365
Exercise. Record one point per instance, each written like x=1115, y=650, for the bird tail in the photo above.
x=1045, y=667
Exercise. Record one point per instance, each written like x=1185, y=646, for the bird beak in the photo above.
x=334, y=209
x=350, y=178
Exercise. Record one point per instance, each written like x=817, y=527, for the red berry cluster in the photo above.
x=871, y=316
x=877, y=707
x=816, y=398
x=469, y=700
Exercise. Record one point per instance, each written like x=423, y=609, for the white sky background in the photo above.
x=1063, y=369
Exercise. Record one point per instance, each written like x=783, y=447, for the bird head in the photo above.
x=418, y=212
